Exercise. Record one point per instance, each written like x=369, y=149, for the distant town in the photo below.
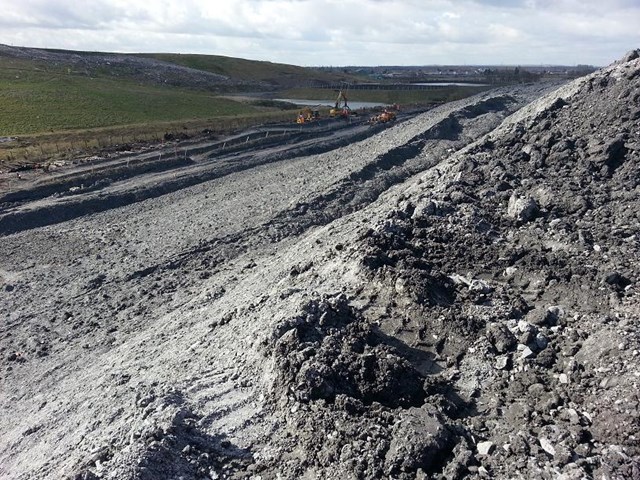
x=465, y=73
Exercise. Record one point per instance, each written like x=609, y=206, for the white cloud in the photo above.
x=336, y=32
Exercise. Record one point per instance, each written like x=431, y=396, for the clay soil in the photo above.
x=452, y=296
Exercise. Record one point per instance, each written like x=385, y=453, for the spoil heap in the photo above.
x=478, y=320
x=488, y=324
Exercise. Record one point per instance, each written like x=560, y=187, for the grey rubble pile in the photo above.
x=478, y=320
x=505, y=281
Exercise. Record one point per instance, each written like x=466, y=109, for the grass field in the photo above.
x=41, y=101
x=59, y=109
x=54, y=111
x=43, y=148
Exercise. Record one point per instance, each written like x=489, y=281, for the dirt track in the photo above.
x=409, y=304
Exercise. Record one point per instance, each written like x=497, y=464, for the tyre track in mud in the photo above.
x=138, y=178
x=359, y=189
x=448, y=132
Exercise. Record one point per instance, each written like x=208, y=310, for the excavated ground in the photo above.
x=452, y=297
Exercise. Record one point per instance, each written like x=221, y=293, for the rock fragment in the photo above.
x=419, y=438
x=547, y=446
x=485, y=448
x=480, y=286
x=500, y=337
x=522, y=209
x=616, y=280
x=527, y=353
x=541, y=341
x=502, y=362
x=423, y=209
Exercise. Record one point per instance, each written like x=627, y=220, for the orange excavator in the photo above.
x=307, y=115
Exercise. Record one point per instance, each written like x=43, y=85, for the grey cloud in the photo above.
x=346, y=32
x=503, y=3
x=68, y=15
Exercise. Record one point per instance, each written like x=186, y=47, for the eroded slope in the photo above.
x=478, y=320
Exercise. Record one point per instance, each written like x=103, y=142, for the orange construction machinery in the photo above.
x=307, y=115
x=387, y=115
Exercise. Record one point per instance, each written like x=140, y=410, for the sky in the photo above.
x=336, y=32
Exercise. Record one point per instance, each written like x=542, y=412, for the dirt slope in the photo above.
x=418, y=304
x=211, y=72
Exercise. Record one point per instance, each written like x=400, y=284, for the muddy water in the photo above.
x=328, y=103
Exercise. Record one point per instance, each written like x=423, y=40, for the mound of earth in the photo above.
x=476, y=316
x=506, y=277
x=120, y=65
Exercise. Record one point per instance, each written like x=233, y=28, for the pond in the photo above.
x=328, y=103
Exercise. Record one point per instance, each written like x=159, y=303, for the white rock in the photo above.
x=547, y=446
x=510, y=271
x=502, y=362
x=527, y=353
x=484, y=448
x=460, y=279
x=480, y=286
x=401, y=286
x=573, y=416
x=563, y=378
x=524, y=326
x=523, y=209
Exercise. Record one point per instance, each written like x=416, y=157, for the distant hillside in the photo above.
x=46, y=90
x=277, y=75
x=210, y=72
x=33, y=101
x=53, y=99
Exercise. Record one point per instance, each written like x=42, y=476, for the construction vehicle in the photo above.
x=341, y=108
x=387, y=115
x=307, y=115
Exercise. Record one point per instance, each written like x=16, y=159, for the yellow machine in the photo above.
x=341, y=108
x=384, y=117
x=387, y=115
x=307, y=115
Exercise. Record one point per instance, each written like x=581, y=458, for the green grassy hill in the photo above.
x=56, y=101
x=276, y=74
x=33, y=100
x=45, y=90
